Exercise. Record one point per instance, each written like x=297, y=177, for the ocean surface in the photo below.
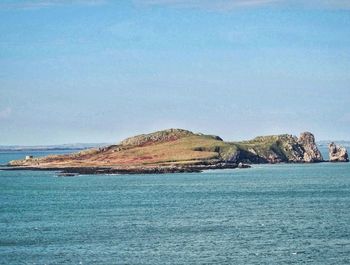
x=268, y=214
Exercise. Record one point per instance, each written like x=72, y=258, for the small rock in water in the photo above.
x=241, y=165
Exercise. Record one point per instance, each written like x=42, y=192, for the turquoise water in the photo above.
x=280, y=214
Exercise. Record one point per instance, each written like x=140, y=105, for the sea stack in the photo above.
x=311, y=152
x=337, y=153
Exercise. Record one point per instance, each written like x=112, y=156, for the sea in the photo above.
x=267, y=214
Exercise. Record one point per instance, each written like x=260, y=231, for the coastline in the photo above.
x=131, y=170
x=89, y=170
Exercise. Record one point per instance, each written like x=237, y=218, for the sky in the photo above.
x=101, y=70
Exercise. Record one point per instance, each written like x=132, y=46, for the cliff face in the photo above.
x=184, y=149
x=308, y=144
x=338, y=153
x=278, y=148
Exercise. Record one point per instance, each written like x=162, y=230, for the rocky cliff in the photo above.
x=337, y=153
x=278, y=148
x=310, y=150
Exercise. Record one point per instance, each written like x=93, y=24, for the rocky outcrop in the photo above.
x=278, y=148
x=337, y=153
x=163, y=136
x=156, y=137
x=311, y=152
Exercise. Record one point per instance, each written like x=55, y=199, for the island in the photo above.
x=178, y=150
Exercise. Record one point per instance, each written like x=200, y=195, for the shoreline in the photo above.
x=67, y=171
x=136, y=170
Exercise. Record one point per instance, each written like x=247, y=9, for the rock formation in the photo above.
x=311, y=152
x=156, y=137
x=278, y=148
x=337, y=153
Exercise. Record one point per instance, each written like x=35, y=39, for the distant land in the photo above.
x=179, y=150
x=74, y=146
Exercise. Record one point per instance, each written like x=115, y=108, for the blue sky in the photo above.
x=99, y=71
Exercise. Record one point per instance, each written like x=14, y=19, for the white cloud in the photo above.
x=5, y=113
x=39, y=4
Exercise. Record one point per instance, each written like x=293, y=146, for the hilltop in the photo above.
x=178, y=150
